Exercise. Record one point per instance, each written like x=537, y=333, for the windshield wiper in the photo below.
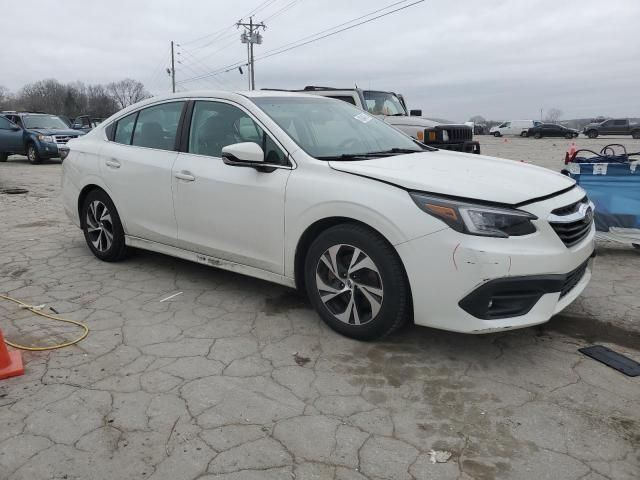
x=385, y=153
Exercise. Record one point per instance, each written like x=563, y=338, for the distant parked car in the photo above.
x=85, y=123
x=552, y=130
x=36, y=135
x=513, y=127
x=614, y=126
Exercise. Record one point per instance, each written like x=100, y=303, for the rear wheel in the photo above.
x=3, y=157
x=537, y=135
x=524, y=134
x=592, y=134
x=636, y=134
x=102, y=228
x=33, y=155
x=356, y=282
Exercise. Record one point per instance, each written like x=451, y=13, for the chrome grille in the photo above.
x=572, y=223
x=63, y=139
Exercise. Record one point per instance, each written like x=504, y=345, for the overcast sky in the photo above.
x=502, y=59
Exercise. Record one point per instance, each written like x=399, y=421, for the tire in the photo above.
x=497, y=134
x=378, y=289
x=99, y=220
x=4, y=157
x=33, y=155
x=537, y=135
x=569, y=136
x=524, y=134
x=592, y=134
x=635, y=134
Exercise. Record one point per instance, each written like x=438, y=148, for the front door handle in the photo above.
x=112, y=163
x=186, y=176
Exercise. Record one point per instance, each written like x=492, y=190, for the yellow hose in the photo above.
x=32, y=309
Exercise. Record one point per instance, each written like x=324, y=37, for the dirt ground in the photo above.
x=236, y=379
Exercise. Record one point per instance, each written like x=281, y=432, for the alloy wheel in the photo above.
x=349, y=284
x=99, y=226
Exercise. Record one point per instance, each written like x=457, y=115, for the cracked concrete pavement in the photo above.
x=238, y=379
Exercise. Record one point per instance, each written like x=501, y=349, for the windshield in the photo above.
x=43, y=121
x=383, y=103
x=331, y=129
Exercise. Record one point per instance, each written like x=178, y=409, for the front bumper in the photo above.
x=453, y=276
x=470, y=146
x=48, y=150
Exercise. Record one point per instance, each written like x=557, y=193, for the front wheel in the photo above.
x=102, y=228
x=496, y=134
x=636, y=134
x=3, y=157
x=592, y=134
x=356, y=282
x=569, y=136
x=33, y=155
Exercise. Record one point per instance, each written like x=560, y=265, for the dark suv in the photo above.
x=36, y=135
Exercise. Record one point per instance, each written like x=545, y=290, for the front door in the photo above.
x=10, y=137
x=136, y=167
x=229, y=212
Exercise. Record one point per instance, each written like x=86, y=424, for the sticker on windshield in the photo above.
x=363, y=117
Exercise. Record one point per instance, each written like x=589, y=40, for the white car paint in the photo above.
x=251, y=221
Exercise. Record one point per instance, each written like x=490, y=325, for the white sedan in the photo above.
x=312, y=193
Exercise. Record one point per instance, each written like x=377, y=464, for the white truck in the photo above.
x=392, y=108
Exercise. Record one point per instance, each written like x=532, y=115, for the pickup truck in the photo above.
x=613, y=126
x=392, y=109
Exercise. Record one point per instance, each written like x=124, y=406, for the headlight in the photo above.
x=445, y=136
x=45, y=138
x=474, y=219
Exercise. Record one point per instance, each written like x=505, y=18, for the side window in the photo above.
x=5, y=124
x=215, y=125
x=124, y=129
x=608, y=123
x=507, y=124
x=344, y=98
x=620, y=123
x=157, y=126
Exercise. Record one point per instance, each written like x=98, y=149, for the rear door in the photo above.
x=230, y=212
x=621, y=127
x=136, y=166
x=10, y=137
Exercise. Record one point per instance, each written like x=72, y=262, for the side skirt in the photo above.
x=144, y=244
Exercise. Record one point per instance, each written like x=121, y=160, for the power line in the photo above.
x=292, y=45
x=282, y=10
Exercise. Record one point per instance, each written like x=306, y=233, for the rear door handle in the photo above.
x=112, y=163
x=186, y=176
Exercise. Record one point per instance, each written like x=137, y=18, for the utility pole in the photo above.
x=173, y=70
x=251, y=36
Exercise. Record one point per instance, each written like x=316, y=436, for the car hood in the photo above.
x=409, y=121
x=56, y=131
x=461, y=175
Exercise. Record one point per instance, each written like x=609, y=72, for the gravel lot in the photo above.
x=238, y=379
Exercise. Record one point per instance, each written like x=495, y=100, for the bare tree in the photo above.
x=5, y=98
x=127, y=92
x=478, y=119
x=553, y=115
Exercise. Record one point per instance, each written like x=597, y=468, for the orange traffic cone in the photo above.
x=10, y=362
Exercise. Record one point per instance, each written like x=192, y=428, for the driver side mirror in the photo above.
x=415, y=113
x=246, y=154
